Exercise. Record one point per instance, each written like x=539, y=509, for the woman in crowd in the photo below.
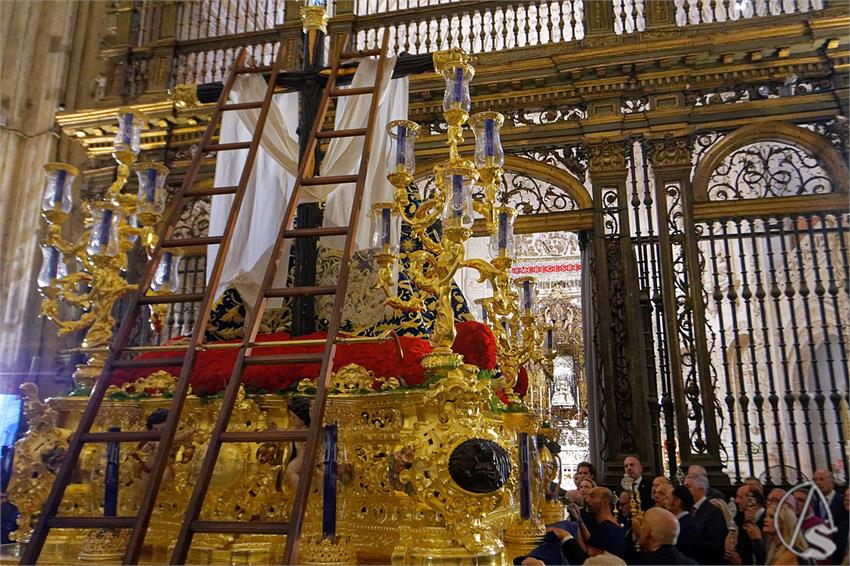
x=779, y=526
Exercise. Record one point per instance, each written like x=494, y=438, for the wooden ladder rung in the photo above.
x=316, y=232
x=359, y=54
x=129, y=436
x=148, y=363
x=341, y=133
x=188, y=242
x=91, y=522
x=241, y=106
x=211, y=191
x=337, y=92
x=164, y=299
x=251, y=70
x=330, y=180
x=227, y=146
x=301, y=291
x=264, y=436
x=253, y=527
x=275, y=359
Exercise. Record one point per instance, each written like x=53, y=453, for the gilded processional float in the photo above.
x=438, y=458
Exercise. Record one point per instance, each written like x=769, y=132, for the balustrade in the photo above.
x=208, y=33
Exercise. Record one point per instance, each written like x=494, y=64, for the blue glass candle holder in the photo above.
x=502, y=239
x=150, y=199
x=53, y=266
x=103, y=239
x=128, y=138
x=57, y=200
x=487, y=127
x=403, y=134
x=167, y=273
x=527, y=295
x=457, y=184
x=386, y=227
x=457, y=95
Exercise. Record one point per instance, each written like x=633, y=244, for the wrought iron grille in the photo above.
x=777, y=300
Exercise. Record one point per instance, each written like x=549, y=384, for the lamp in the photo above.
x=115, y=223
x=385, y=228
x=458, y=211
x=57, y=201
x=402, y=158
x=150, y=199
x=488, y=144
x=128, y=138
x=502, y=238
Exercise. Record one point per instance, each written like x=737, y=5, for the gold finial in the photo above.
x=314, y=18
x=185, y=96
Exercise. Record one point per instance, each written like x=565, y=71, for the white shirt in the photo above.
x=698, y=503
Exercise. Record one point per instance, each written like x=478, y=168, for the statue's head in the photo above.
x=300, y=407
x=156, y=418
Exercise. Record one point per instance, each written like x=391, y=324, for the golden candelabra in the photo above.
x=432, y=268
x=114, y=224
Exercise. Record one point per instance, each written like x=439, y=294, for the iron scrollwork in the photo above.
x=768, y=169
x=684, y=319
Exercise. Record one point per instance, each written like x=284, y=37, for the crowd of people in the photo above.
x=693, y=523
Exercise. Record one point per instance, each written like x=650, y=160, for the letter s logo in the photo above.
x=820, y=542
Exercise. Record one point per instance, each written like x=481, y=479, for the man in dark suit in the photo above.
x=657, y=535
x=826, y=484
x=634, y=469
x=750, y=521
x=679, y=501
x=710, y=521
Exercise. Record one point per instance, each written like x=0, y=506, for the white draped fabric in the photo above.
x=265, y=199
x=275, y=170
x=343, y=157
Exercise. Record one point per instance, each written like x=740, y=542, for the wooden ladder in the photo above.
x=138, y=524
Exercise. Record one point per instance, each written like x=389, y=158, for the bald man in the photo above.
x=657, y=536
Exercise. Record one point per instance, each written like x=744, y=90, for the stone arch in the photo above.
x=812, y=143
x=535, y=169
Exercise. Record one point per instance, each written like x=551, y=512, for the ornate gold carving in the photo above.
x=319, y=551
x=159, y=382
x=38, y=456
x=670, y=152
x=185, y=96
x=352, y=378
x=314, y=18
x=606, y=157
x=104, y=545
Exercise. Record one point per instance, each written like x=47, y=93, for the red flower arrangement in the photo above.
x=476, y=343
x=213, y=367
